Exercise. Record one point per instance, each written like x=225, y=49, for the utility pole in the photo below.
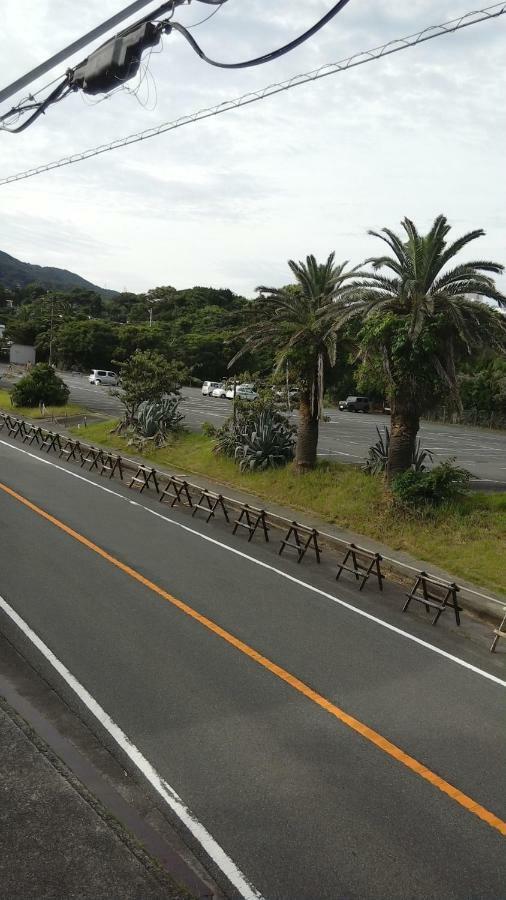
x=234, y=406
x=152, y=302
x=51, y=332
x=64, y=54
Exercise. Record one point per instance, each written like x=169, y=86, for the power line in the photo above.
x=267, y=57
x=358, y=59
x=210, y=16
x=118, y=59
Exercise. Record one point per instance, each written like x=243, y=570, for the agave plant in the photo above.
x=267, y=443
x=377, y=460
x=156, y=418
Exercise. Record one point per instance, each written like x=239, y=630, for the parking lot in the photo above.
x=345, y=438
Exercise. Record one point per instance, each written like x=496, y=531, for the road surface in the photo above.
x=315, y=743
x=346, y=438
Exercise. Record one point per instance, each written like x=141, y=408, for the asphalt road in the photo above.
x=347, y=437
x=306, y=803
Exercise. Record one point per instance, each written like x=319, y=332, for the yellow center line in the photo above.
x=365, y=731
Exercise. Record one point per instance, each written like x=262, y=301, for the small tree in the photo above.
x=41, y=385
x=148, y=376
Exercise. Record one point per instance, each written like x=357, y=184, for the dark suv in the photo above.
x=355, y=404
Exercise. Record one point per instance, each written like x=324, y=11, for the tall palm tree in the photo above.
x=419, y=318
x=299, y=323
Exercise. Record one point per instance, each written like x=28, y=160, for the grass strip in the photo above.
x=466, y=538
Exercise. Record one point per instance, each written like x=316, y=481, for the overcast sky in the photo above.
x=227, y=201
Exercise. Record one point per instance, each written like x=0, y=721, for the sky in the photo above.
x=227, y=201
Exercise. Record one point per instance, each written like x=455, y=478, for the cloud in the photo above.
x=229, y=200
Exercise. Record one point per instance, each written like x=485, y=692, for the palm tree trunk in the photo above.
x=405, y=423
x=307, y=435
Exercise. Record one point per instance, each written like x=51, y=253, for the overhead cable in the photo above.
x=118, y=60
x=358, y=59
x=29, y=103
x=267, y=57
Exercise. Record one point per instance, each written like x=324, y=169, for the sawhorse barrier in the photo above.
x=499, y=633
x=71, y=450
x=49, y=440
x=251, y=519
x=434, y=594
x=303, y=539
x=111, y=464
x=361, y=563
x=177, y=490
x=92, y=457
x=209, y=503
x=145, y=478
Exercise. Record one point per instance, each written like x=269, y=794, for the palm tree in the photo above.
x=298, y=322
x=420, y=319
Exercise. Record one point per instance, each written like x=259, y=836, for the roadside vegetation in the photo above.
x=466, y=536
x=36, y=412
x=416, y=326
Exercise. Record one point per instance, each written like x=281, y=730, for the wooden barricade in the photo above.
x=303, y=539
x=434, y=594
x=35, y=436
x=71, y=450
x=6, y=421
x=251, y=519
x=50, y=440
x=27, y=433
x=144, y=478
x=111, y=464
x=15, y=427
x=361, y=563
x=499, y=633
x=178, y=491
x=209, y=503
x=91, y=457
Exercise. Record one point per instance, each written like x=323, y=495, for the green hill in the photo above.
x=17, y=274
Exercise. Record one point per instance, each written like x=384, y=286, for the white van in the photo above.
x=209, y=386
x=102, y=376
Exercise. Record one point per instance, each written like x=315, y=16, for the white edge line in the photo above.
x=212, y=848
x=264, y=565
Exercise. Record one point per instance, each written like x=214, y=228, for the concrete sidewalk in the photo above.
x=56, y=840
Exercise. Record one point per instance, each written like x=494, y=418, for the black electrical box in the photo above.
x=116, y=61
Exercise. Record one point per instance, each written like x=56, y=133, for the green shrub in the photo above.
x=209, y=430
x=260, y=438
x=266, y=444
x=443, y=483
x=40, y=385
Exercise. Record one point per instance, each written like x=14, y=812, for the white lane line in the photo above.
x=327, y=450
x=268, y=567
x=211, y=847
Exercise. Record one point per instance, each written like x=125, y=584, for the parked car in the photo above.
x=293, y=394
x=355, y=404
x=244, y=392
x=238, y=388
x=219, y=392
x=103, y=376
x=209, y=386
